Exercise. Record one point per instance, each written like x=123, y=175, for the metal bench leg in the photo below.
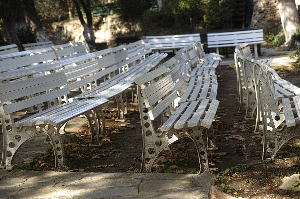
x=121, y=108
x=217, y=51
x=274, y=140
x=153, y=143
x=14, y=138
x=134, y=95
x=57, y=145
x=255, y=51
x=211, y=142
x=196, y=136
x=101, y=120
x=94, y=126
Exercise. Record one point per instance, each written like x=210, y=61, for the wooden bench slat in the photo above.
x=210, y=114
x=187, y=92
x=162, y=105
x=196, y=90
x=195, y=120
x=168, y=125
x=17, y=89
x=181, y=123
x=296, y=100
x=288, y=112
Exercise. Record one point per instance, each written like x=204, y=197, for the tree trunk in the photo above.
x=20, y=17
x=35, y=22
x=87, y=9
x=88, y=31
x=159, y=2
x=8, y=14
x=289, y=18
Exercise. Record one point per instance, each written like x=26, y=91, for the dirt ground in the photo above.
x=237, y=162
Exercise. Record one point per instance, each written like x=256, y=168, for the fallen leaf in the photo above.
x=236, y=137
x=269, y=187
x=95, y=157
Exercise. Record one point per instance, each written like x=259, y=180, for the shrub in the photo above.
x=273, y=37
x=217, y=13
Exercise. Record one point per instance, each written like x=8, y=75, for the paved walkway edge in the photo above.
x=51, y=184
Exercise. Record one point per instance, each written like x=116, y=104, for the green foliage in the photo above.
x=156, y=19
x=273, y=38
x=296, y=183
x=225, y=187
x=295, y=39
x=279, y=39
x=186, y=13
x=131, y=9
x=217, y=13
x=2, y=42
x=269, y=34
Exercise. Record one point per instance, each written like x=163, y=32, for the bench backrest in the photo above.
x=80, y=48
x=172, y=41
x=8, y=49
x=165, y=81
x=64, y=51
x=18, y=95
x=225, y=39
x=33, y=46
x=42, y=55
x=16, y=60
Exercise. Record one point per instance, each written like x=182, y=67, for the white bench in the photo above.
x=8, y=49
x=245, y=81
x=278, y=106
x=232, y=39
x=33, y=46
x=247, y=87
x=17, y=95
x=159, y=93
x=89, y=68
x=172, y=42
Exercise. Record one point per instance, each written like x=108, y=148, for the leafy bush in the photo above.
x=2, y=42
x=217, y=13
x=161, y=19
x=273, y=37
x=186, y=13
x=295, y=39
x=279, y=39
x=269, y=34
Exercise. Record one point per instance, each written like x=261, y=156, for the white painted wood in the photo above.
x=232, y=39
x=210, y=114
x=8, y=49
x=172, y=41
x=195, y=120
x=288, y=113
x=33, y=46
x=181, y=122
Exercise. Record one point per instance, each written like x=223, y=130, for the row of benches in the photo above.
x=52, y=85
x=122, y=65
x=271, y=100
x=214, y=40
